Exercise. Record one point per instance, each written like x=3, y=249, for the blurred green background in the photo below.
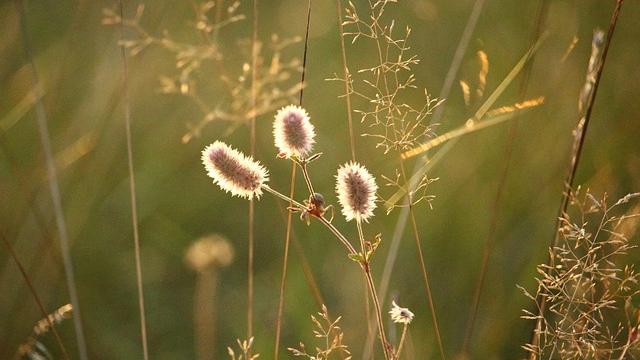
x=80, y=67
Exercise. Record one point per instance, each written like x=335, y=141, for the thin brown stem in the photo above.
x=496, y=206
x=54, y=188
x=347, y=80
x=307, y=179
x=132, y=188
x=252, y=140
x=575, y=160
x=372, y=290
x=423, y=267
x=36, y=297
x=285, y=259
x=291, y=194
x=401, y=344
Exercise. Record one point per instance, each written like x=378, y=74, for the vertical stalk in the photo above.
x=372, y=289
x=132, y=188
x=54, y=188
x=401, y=344
x=283, y=279
x=423, y=267
x=495, y=210
x=575, y=160
x=347, y=81
x=289, y=230
x=252, y=140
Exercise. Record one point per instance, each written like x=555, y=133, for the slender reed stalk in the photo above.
x=132, y=188
x=496, y=206
x=401, y=343
x=252, y=140
x=347, y=88
x=54, y=188
x=33, y=291
x=374, y=295
x=423, y=268
x=352, y=144
x=292, y=182
x=575, y=160
x=285, y=261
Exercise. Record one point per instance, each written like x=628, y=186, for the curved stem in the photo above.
x=374, y=295
x=285, y=261
x=401, y=344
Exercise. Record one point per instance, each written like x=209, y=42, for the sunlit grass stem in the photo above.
x=575, y=160
x=132, y=189
x=54, y=188
x=292, y=181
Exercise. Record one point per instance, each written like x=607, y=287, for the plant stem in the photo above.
x=347, y=81
x=423, y=267
x=575, y=160
x=54, y=188
x=283, y=279
x=291, y=193
x=252, y=139
x=401, y=344
x=132, y=190
x=351, y=250
x=307, y=179
x=496, y=206
x=372, y=289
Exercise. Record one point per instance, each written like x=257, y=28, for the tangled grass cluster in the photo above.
x=590, y=287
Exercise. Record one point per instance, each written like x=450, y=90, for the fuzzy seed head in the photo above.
x=233, y=171
x=293, y=133
x=356, y=190
x=400, y=315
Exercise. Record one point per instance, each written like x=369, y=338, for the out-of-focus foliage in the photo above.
x=79, y=62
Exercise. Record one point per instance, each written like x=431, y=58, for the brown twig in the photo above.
x=132, y=189
x=287, y=240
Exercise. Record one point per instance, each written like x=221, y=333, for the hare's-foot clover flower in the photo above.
x=293, y=133
x=400, y=315
x=356, y=190
x=233, y=171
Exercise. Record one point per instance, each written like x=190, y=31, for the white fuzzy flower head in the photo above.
x=293, y=133
x=400, y=315
x=356, y=190
x=233, y=171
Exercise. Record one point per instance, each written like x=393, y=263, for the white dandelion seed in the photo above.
x=400, y=315
x=292, y=132
x=233, y=171
x=356, y=190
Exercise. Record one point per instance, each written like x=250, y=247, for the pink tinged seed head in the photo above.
x=356, y=190
x=233, y=171
x=293, y=133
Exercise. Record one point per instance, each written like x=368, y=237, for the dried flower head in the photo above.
x=233, y=171
x=209, y=251
x=293, y=133
x=356, y=190
x=400, y=315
